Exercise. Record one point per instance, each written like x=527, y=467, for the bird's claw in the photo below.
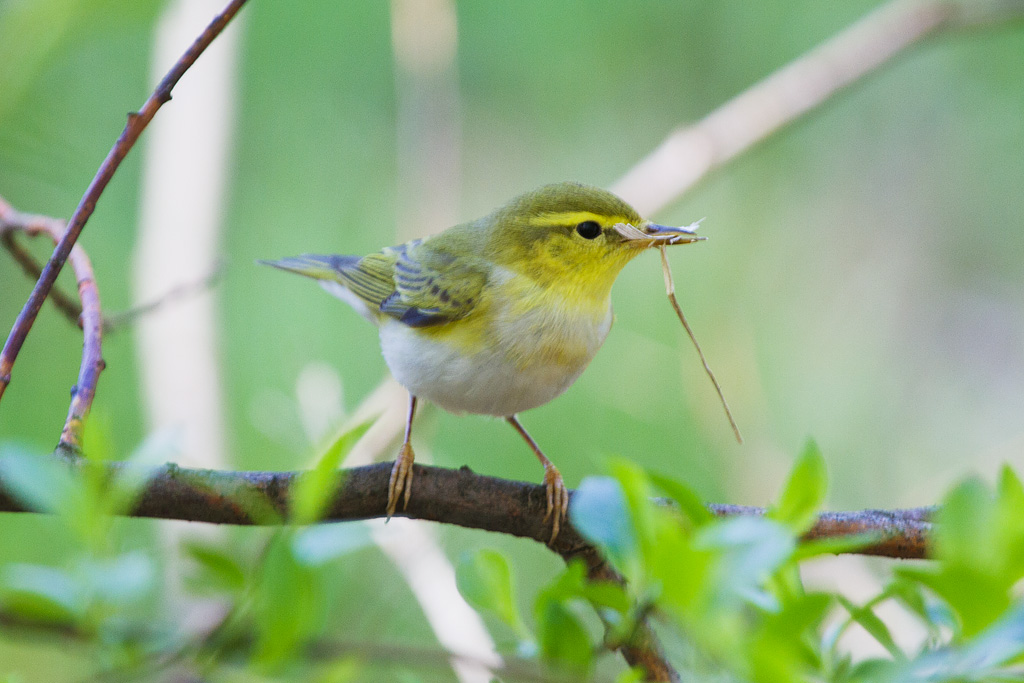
x=558, y=499
x=401, y=480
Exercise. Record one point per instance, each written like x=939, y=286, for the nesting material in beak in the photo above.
x=652, y=234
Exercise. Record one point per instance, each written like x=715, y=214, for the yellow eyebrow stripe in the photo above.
x=574, y=218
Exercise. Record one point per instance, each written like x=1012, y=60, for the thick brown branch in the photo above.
x=449, y=496
x=137, y=123
x=470, y=500
x=91, y=318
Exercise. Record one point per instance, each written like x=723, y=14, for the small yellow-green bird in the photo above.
x=499, y=315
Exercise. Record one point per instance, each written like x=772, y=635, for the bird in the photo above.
x=498, y=315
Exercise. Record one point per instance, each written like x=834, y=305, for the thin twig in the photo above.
x=72, y=309
x=186, y=290
x=137, y=123
x=90, y=318
x=64, y=303
x=670, y=289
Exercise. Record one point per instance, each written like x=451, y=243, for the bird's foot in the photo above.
x=401, y=480
x=558, y=499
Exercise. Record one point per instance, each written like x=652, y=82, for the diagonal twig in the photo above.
x=691, y=152
x=137, y=122
x=72, y=309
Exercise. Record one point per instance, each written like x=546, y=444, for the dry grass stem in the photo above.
x=670, y=289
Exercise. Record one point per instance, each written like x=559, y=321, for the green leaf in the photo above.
x=977, y=597
x=690, y=504
x=40, y=482
x=964, y=525
x=564, y=642
x=485, y=580
x=993, y=656
x=750, y=550
x=870, y=622
x=572, y=583
x=41, y=593
x=777, y=651
x=314, y=490
x=344, y=670
x=836, y=545
x=288, y=605
x=643, y=512
x=804, y=493
x=119, y=580
x=322, y=543
x=220, y=571
x=97, y=444
x=1010, y=525
x=978, y=539
x=600, y=512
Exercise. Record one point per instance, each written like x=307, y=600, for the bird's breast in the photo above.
x=511, y=354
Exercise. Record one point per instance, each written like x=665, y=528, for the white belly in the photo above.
x=487, y=382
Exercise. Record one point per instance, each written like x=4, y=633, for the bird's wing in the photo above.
x=431, y=287
x=418, y=285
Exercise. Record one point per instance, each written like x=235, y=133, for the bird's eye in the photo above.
x=588, y=229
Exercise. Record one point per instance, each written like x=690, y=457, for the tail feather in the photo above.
x=317, y=266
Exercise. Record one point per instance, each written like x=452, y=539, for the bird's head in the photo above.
x=573, y=236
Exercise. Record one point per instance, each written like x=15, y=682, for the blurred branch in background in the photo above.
x=424, y=41
x=691, y=152
x=185, y=179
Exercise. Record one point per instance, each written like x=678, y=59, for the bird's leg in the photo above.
x=558, y=495
x=401, y=473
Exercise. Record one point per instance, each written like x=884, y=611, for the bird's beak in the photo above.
x=652, y=234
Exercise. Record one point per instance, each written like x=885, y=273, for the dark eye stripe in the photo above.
x=588, y=229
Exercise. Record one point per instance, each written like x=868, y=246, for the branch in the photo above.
x=137, y=123
x=91, y=318
x=469, y=500
x=691, y=152
x=10, y=222
x=448, y=496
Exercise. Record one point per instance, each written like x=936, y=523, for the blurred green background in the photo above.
x=861, y=284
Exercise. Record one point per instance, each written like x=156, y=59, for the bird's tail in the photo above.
x=316, y=266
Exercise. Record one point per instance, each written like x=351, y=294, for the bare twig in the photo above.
x=66, y=304
x=186, y=290
x=90, y=318
x=72, y=309
x=137, y=123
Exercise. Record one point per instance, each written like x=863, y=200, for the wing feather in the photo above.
x=413, y=283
